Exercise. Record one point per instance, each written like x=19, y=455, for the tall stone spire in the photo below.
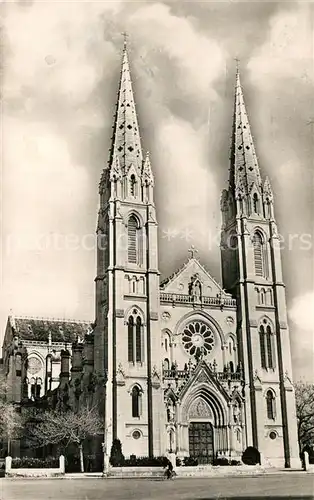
x=244, y=170
x=126, y=143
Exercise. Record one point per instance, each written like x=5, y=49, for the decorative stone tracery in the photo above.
x=200, y=409
x=198, y=339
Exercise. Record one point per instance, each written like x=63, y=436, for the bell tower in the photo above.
x=127, y=284
x=252, y=272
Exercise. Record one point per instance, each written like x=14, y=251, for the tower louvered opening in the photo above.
x=258, y=254
x=132, y=239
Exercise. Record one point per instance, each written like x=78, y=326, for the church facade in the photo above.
x=192, y=367
x=187, y=366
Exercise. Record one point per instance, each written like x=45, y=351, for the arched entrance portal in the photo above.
x=201, y=433
x=201, y=442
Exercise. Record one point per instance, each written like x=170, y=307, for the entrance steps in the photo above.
x=221, y=470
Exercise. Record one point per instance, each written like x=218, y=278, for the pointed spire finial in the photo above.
x=125, y=39
x=237, y=60
x=244, y=169
x=147, y=174
x=126, y=141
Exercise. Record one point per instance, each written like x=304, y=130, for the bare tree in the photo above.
x=304, y=395
x=67, y=427
x=10, y=421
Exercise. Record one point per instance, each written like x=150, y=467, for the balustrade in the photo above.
x=221, y=376
x=192, y=299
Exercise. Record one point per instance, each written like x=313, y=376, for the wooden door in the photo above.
x=201, y=442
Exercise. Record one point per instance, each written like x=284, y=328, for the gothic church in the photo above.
x=185, y=366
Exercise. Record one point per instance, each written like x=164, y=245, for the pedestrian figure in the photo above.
x=169, y=469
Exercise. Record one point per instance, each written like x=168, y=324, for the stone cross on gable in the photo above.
x=192, y=251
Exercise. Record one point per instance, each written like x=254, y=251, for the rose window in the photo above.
x=197, y=339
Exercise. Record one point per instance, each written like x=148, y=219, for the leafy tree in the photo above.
x=67, y=428
x=304, y=396
x=10, y=420
x=116, y=455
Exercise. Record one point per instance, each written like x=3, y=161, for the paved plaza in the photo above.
x=286, y=485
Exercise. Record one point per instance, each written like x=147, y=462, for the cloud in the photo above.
x=302, y=335
x=191, y=52
x=60, y=61
x=288, y=50
x=61, y=67
x=302, y=313
x=184, y=156
x=54, y=46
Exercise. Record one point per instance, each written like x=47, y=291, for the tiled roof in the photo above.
x=61, y=330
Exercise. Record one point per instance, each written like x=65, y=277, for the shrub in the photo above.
x=235, y=462
x=178, y=462
x=116, y=455
x=72, y=463
x=251, y=456
x=93, y=463
x=221, y=461
x=134, y=461
x=190, y=461
x=35, y=463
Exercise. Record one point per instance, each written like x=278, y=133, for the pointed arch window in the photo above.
x=132, y=186
x=130, y=339
x=262, y=346
x=135, y=339
x=256, y=204
x=269, y=336
x=136, y=400
x=267, y=345
x=138, y=339
x=166, y=364
x=270, y=405
x=258, y=251
x=134, y=241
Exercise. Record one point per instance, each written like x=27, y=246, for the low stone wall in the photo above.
x=23, y=472
x=123, y=472
x=219, y=470
x=195, y=471
x=307, y=466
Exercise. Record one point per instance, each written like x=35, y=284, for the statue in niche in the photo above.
x=174, y=368
x=170, y=411
x=236, y=413
x=195, y=287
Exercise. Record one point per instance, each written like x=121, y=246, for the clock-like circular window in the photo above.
x=198, y=339
x=136, y=434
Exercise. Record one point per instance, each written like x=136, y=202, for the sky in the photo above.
x=60, y=72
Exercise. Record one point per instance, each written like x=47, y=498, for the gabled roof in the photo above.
x=203, y=368
x=194, y=266
x=172, y=276
x=28, y=328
